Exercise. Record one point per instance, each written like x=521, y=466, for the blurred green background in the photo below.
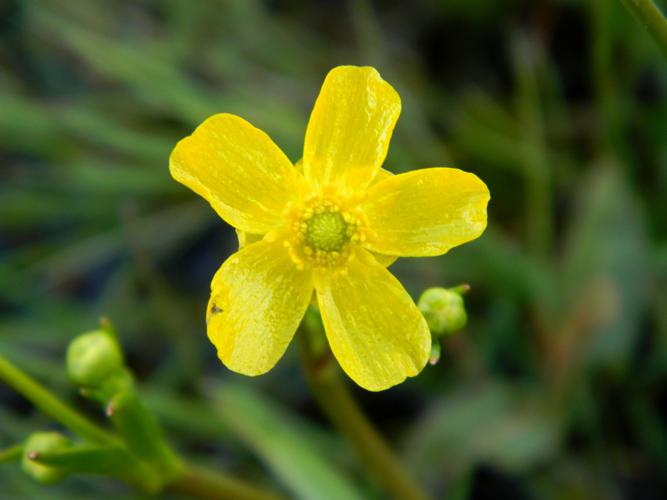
x=556, y=389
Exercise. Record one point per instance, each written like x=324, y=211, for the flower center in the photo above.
x=326, y=231
x=323, y=229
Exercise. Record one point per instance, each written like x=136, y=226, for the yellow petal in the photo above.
x=236, y=167
x=258, y=298
x=350, y=127
x=425, y=212
x=376, y=332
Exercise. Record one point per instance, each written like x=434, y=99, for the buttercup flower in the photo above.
x=329, y=224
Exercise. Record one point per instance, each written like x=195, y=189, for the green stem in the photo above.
x=202, y=483
x=340, y=407
x=51, y=405
x=653, y=20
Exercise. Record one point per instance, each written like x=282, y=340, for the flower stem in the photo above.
x=653, y=20
x=203, y=483
x=51, y=405
x=337, y=403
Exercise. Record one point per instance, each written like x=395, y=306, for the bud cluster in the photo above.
x=138, y=453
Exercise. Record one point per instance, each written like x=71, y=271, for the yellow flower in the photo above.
x=331, y=224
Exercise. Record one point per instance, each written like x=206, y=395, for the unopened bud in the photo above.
x=443, y=309
x=92, y=358
x=41, y=442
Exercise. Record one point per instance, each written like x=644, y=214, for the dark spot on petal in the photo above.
x=215, y=309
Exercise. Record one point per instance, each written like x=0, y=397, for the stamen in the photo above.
x=322, y=231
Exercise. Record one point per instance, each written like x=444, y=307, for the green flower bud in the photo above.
x=443, y=309
x=40, y=442
x=92, y=358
